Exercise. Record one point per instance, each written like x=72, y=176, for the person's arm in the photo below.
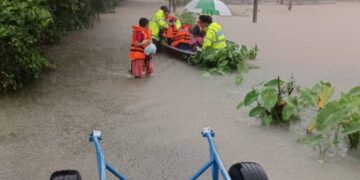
x=207, y=40
x=160, y=20
x=178, y=24
x=139, y=40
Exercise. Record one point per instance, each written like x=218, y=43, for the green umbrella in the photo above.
x=209, y=7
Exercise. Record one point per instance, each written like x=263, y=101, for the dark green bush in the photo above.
x=21, y=26
x=24, y=24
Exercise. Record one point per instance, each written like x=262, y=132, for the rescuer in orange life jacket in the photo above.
x=141, y=39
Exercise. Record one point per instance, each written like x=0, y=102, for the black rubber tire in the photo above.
x=247, y=171
x=66, y=175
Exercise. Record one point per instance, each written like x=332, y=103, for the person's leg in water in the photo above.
x=149, y=66
x=137, y=68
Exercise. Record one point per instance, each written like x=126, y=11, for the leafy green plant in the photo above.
x=21, y=26
x=25, y=24
x=187, y=18
x=317, y=96
x=224, y=61
x=273, y=102
x=337, y=120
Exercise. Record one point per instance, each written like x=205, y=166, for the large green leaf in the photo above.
x=330, y=115
x=269, y=97
x=266, y=120
x=256, y=111
x=354, y=125
x=352, y=129
x=355, y=91
x=289, y=110
x=223, y=63
x=308, y=97
x=240, y=105
x=251, y=97
x=325, y=94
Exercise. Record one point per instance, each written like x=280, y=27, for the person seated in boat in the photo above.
x=197, y=37
x=182, y=39
x=173, y=26
x=214, y=35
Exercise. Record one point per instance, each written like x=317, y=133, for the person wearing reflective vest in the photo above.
x=182, y=39
x=141, y=38
x=214, y=36
x=158, y=22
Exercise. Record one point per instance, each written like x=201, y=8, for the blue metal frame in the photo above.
x=215, y=161
x=95, y=137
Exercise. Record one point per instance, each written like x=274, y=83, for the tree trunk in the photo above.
x=174, y=6
x=290, y=5
x=255, y=10
x=170, y=3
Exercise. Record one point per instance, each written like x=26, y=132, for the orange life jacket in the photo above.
x=170, y=32
x=137, y=52
x=182, y=36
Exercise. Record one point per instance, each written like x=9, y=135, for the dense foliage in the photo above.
x=274, y=101
x=187, y=18
x=25, y=24
x=21, y=26
x=224, y=61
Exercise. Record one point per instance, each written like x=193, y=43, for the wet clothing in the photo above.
x=158, y=22
x=182, y=37
x=214, y=37
x=140, y=67
x=170, y=32
x=139, y=35
x=140, y=62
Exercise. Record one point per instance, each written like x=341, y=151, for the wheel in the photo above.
x=247, y=171
x=66, y=175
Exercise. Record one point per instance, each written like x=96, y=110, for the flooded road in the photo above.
x=151, y=127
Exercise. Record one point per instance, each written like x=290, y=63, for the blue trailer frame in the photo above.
x=215, y=161
x=103, y=165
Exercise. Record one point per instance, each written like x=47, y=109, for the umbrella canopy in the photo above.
x=209, y=7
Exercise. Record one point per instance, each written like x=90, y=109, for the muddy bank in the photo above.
x=152, y=126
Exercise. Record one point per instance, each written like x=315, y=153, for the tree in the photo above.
x=290, y=5
x=255, y=10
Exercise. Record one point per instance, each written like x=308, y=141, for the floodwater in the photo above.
x=151, y=127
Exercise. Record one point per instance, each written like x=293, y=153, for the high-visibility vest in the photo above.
x=137, y=52
x=214, y=37
x=182, y=36
x=156, y=23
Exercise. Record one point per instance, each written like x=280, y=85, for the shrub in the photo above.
x=21, y=25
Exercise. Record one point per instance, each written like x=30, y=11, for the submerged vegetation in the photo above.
x=336, y=123
x=225, y=61
x=274, y=102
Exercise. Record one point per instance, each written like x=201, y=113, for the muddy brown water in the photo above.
x=151, y=127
